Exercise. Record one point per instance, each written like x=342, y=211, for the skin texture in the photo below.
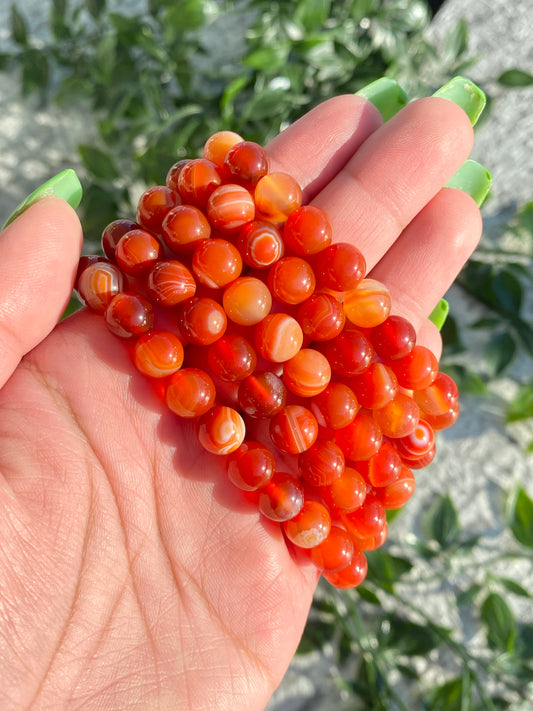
x=132, y=574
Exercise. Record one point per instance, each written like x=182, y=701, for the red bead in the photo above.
x=137, y=251
x=447, y=419
x=173, y=174
x=368, y=520
x=276, y=196
x=246, y=163
x=293, y=429
x=251, y=466
x=262, y=394
x=232, y=358
x=129, y=315
x=291, y=280
x=349, y=353
x=417, y=370
x=184, y=228
x=86, y=260
x=352, y=575
x=230, y=207
x=394, y=338
x=384, y=467
x=170, y=282
x=216, y=263
x=113, y=232
x=310, y=526
x=158, y=354
x=247, y=301
x=221, y=430
x=190, y=392
x=202, y=320
x=418, y=443
x=367, y=305
x=437, y=398
x=335, y=552
x=335, y=407
x=307, y=230
x=347, y=492
x=98, y=285
x=339, y=267
x=260, y=244
x=282, y=498
x=217, y=146
x=321, y=317
x=399, y=417
x=307, y=373
x=278, y=337
x=197, y=181
x=375, y=387
x=361, y=439
x=395, y=495
x=153, y=206
x=423, y=461
x=322, y=463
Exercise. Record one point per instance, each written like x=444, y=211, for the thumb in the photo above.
x=39, y=252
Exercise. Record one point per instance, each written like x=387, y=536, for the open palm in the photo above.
x=132, y=573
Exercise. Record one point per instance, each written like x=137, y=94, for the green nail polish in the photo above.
x=439, y=314
x=386, y=95
x=474, y=179
x=465, y=94
x=65, y=185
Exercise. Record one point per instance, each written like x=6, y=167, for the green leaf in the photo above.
x=500, y=352
x=521, y=406
x=35, y=71
x=515, y=78
x=95, y=7
x=441, y=521
x=312, y=14
x=524, y=640
x=59, y=7
x=385, y=569
x=447, y=697
x=19, y=30
x=500, y=623
x=466, y=597
x=268, y=59
x=188, y=15
x=367, y=595
x=268, y=103
x=98, y=162
x=456, y=42
x=409, y=638
x=513, y=587
x=508, y=291
x=521, y=517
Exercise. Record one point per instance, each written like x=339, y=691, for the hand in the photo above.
x=132, y=573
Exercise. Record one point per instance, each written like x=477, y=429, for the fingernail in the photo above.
x=386, y=95
x=439, y=314
x=65, y=185
x=474, y=179
x=465, y=94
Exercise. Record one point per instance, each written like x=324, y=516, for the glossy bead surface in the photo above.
x=262, y=394
x=221, y=430
x=335, y=552
x=260, y=244
x=190, y=392
x=129, y=315
x=321, y=464
x=276, y=196
x=395, y=495
x=375, y=387
x=202, y=320
x=197, y=181
x=245, y=163
x=367, y=305
x=153, y=206
x=216, y=263
x=307, y=373
x=399, y=417
x=347, y=492
x=216, y=147
x=321, y=317
x=113, y=232
x=184, y=228
x=394, y=338
x=169, y=283
x=310, y=526
x=247, y=301
x=137, y=251
x=282, y=498
x=86, y=260
x=339, y=267
x=352, y=575
x=417, y=370
x=98, y=285
x=361, y=439
x=307, y=230
x=230, y=207
x=232, y=358
x=278, y=337
x=158, y=354
x=291, y=280
x=173, y=174
x=251, y=466
x=418, y=443
x=335, y=407
x=293, y=429
x=446, y=419
x=368, y=520
x=384, y=467
x=349, y=353
x=437, y=398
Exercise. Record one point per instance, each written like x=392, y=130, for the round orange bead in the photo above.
x=293, y=429
x=352, y=575
x=260, y=244
x=310, y=526
x=247, y=301
x=158, y=354
x=184, y=227
x=322, y=463
x=321, y=317
x=232, y=358
x=129, y=315
x=417, y=370
x=375, y=387
x=291, y=280
x=202, y=320
x=190, y=392
x=347, y=492
x=137, y=251
x=251, y=466
x=170, y=282
x=278, y=337
x=262, y=394
x=217, y=146
x=307, y=373
x=197, y=181
x=153, y=206
x=221, y=430
x=335, y=552
x=98, y=285
x=399, y=417
x=307, y=230
x=361, y=438
x=335, y=407
x=282, y=498
x=276, y=196
x=230, y=207
x=216, y=263
x=367, y=305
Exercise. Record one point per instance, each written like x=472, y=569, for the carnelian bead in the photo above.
x=307, y=373
x=399, y=417
x=293, y=429
x=216, y=263
x=291, y=280
x=202, y=320
x=129, y=315
x=321, y=317
x=262, y=394
x=217, y=146
x=276, y=196
x=335, y=552
x=339, y=267
x=361, y=439
x=221, y=430
x=394, y=338
x=307, y=230
x=447, y=419
x=137, y=251
x=367, y=305
x=282, y=498
x=232, y=358
x=335, y=407
x=230, y=207
x=347, y=492
x=247, y=301
x=368, y=520
x=384, y=467
x=153, y=206
x=251, y=466
x=86, y=260
x=418, y=443
x=173, y=174
x=169, y=283
x=310, y=526
x=322, y=463
x=423, y=461
x=437, y=398
x=184, y=228
x=113, y=232
x=375, y=387
x=417, y=370
x=245, y=163
x=158, y=354
x=260, y=244
x=395, y=495
x=197, y=181
x=98, y=284
x=278, y=337
x=352, y=575
x=190, y=392
x=349, y=353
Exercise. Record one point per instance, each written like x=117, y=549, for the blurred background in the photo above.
x=120, y=90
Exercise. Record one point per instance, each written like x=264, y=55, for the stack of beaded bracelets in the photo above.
x=274, y=323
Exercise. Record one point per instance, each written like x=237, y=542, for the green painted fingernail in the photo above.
x=386, y=95
x=439, y=314
x=465, y=94
x=474, y=179
x=65, y=185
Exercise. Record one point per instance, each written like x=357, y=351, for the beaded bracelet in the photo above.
x=274, y=322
